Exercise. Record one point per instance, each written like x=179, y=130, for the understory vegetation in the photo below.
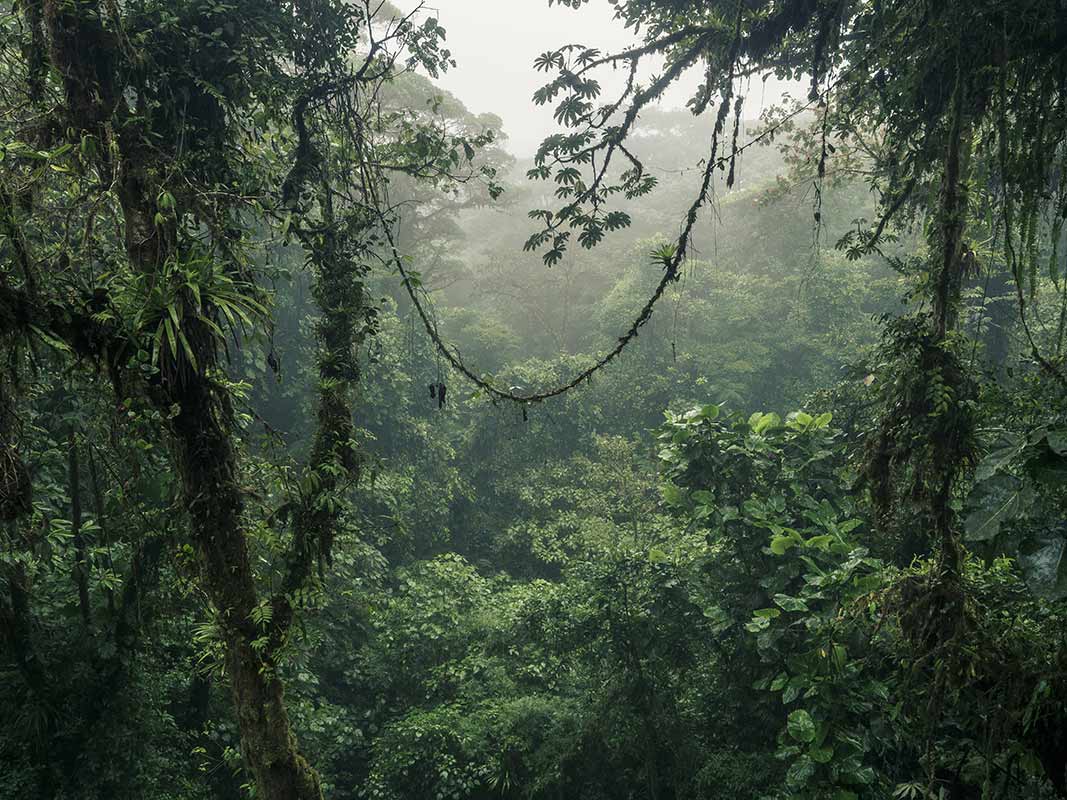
x=705, y=453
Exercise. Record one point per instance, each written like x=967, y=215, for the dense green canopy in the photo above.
x=345, y=455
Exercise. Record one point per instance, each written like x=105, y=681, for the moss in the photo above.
x=84, y=53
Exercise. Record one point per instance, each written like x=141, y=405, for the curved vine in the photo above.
x=672, y=261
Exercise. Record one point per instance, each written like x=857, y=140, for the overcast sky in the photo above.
x=495, y=43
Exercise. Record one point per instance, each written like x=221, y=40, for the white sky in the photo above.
x=495, y=43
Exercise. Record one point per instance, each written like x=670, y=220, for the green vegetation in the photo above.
x=345, y=455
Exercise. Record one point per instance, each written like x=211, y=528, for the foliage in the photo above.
x=258, y=539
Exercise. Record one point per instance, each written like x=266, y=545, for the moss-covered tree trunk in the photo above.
x=85, y=55
x=207, y=464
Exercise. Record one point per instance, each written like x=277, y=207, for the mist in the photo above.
x=370, y=431
x=495, y=43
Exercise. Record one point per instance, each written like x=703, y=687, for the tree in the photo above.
x=156, y=153
x=972, y=113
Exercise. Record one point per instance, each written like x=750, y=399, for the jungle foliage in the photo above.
x=345, y=455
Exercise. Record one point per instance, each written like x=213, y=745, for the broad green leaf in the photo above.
x=1044, y=566
x=767, y=422
x=821, y=755
x=781, y=544
x=767, y=613
x=710, y=411
x=801, y=726
x=863, y=775
x=703, y=497
x=800, y=772
x=998, y=459
x=757, y=624
x=820, y=542
x=997, y=501
x=672, y=495
x=788, y=603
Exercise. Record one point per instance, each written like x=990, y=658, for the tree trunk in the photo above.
x=202, y=435
x=207, y=465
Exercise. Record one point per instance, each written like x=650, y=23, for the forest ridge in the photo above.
x=707, y=453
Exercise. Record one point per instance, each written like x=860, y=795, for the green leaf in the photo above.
x=863, y=775
x=50, y=340
x=172, y=309
x=672, y=495
x=840, y=655
x=766, y=423
x=188, y=351
x=800, y=772
x=997, y=501
x=710, y=411
x=1044, y=566
x=781, y=544
x=821, y=755
x=1057, y=441
x=171, y=338
x=998, y=459
x=657, y=556
x=849, y=525
x=788, y=603
x=801, y=726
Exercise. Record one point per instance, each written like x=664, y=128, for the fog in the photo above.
x=349, y=451
x=495, y=43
